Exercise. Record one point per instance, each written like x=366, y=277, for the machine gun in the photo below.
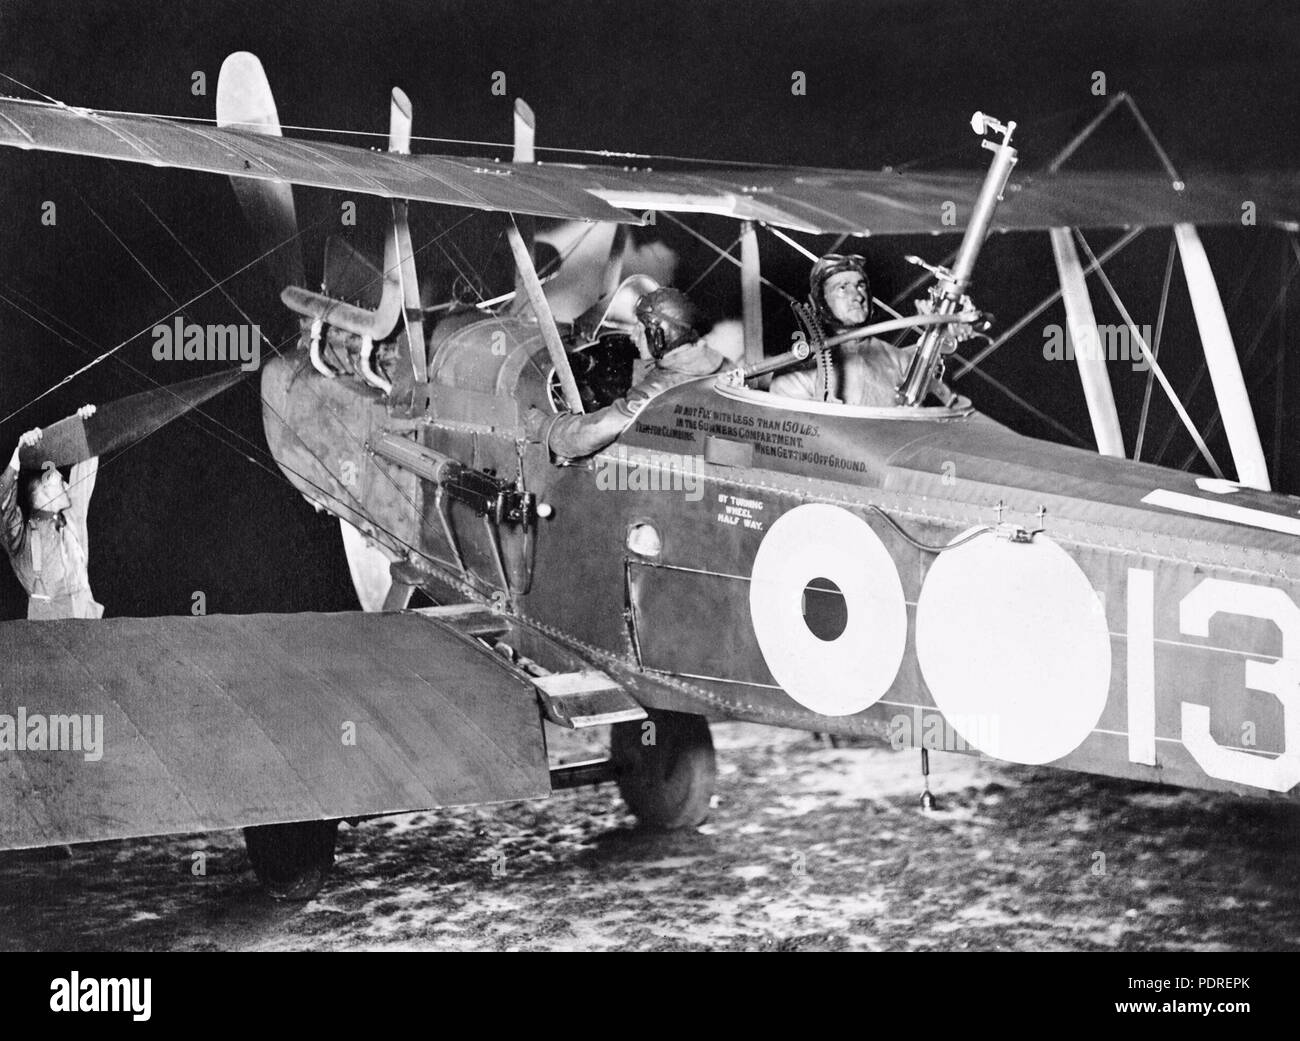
x=949, y=293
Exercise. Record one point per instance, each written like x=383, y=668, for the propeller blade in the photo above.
x=598, y=258
x=612, y=276
x=586, y=249
x=371, y=570
x=525, y=130
x=119, y=423
x=245, y=103
x=350, y=275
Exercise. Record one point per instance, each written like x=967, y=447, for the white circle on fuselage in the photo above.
x=847, y=674
x=1013, y=643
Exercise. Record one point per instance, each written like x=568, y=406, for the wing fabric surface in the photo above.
x=886, y=203
x=476, y=183
x=817, y=201
x=232, y=720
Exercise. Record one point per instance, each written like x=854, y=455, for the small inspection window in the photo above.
x=643, y=540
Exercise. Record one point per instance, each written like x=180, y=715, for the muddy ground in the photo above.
x=808, y=848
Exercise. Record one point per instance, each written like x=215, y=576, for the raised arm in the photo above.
x=81, y=482
x=81, y=485
x=12, y=528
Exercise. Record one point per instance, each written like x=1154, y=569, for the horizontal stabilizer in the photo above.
x=171, y=725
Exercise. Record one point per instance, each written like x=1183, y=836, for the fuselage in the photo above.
x=747, y=556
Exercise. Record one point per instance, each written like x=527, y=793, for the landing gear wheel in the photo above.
x=292, y=861
x=665, y=774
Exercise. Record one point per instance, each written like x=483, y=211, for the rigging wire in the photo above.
x=247, y=318
x=727, y=256
x=716, y=261
x=276, y=349
x=53, y=101
x=1051, y=421
x=1172, y=430
x=158, y=385
x=808, y=254
x=599, y=153
x=276, y=475
x=1039, y=124
x=1146, y=353
x=117, y=347
x=1278, y=302
x=1155, y=347
x=968, y=364
x=145, y=377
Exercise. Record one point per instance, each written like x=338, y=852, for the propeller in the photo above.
x=245, y=103
x=592, y=253
x=351, y=275
x=589, y=252
x=124, y=421
x=525, y=131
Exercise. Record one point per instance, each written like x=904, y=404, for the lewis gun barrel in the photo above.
x=952, y=283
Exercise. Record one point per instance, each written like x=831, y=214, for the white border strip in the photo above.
x=1225, y=511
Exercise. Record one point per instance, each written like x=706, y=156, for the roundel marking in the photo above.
x=1013, y=643
x=852, y=671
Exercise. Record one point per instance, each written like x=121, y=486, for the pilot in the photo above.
x=45, y=535
x=607, y=342
x=867, y=371
x=671, y=326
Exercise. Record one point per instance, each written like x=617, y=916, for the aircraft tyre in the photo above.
x=292, y=861
x=666, y=774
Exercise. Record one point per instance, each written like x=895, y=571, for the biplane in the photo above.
x=918, y=572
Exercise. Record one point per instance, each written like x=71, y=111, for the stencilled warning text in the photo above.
x=778, y=438
x=739, y=511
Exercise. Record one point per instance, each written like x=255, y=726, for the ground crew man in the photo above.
x=43, y=524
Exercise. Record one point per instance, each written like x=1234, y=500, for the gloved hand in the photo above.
x=31, y=437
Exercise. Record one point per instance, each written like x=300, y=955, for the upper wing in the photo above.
x=477, y=183
x=886, y=203
x=188, y=724
x=805, y=199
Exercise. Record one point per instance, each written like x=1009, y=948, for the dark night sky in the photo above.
x=888, y=83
